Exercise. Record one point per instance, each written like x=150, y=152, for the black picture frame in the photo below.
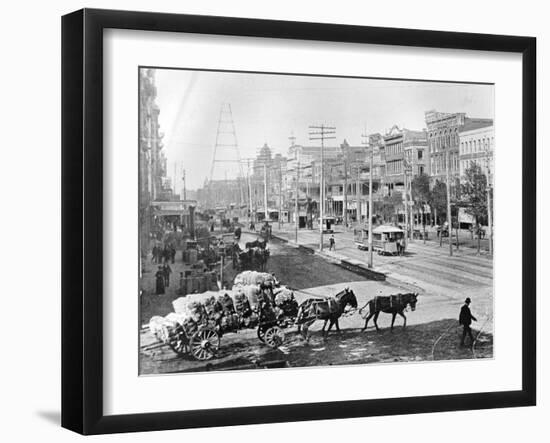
x=82, y=220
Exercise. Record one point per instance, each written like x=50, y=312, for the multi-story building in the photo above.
x=443, y=140
x=152, y=162
x=405, y=153
x=310, y=154
x=269, y=171
x=477, y=146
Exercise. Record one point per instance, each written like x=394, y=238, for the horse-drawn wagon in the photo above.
x=200, y=320
x=254, y=256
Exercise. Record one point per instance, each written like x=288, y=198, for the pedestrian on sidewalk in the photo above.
x=172, y=254
x=159, y=289
x=465, y=319
x=332, y=244
x=167, y=271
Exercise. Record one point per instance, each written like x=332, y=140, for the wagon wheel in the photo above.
x=204, y=344
x=274, y=337
x=178, y=342
x=261, y=334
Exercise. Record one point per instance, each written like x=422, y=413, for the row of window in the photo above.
x=439, y=143
x=394, y=167
x=438, y=164
x=396, y=148
x=483, y=144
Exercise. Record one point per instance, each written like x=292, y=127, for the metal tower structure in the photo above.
x=226, y=148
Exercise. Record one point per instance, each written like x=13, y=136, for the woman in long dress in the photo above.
x=160, y=277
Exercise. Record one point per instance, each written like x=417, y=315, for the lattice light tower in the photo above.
x=226, y=148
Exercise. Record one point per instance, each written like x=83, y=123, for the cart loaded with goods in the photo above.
x=198, y=322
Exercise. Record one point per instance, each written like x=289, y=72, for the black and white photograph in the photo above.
x=292, y=221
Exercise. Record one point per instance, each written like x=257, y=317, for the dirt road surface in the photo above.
x=432, y=331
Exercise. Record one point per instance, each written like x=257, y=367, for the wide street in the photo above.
x=426, y=266
x=432, y=329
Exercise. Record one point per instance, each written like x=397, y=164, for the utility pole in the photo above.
x=489, y=196
x=280, y=194
x=411, y=236
x=449, y=218
x=175, y=178
x=296, y=213
x=371, y=154
x=249, y=187
x=265, y=193
x=407, y=169
x=345, y=208
x=323, y=133
x=358, y=194
x=184, y=184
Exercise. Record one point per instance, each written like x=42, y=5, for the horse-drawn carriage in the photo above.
x=200, y=320
x=254, y=256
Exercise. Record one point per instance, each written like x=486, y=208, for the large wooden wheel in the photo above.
x=261, y=334
x=274, y=337
x=204, y=344
x=179, y=343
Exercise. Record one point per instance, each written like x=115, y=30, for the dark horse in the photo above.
x=255, y=244
x=390, y=304
x=329, y=309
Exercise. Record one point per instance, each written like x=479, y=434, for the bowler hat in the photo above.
x=467, y=300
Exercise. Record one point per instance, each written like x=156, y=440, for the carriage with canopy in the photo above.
x=384, y=238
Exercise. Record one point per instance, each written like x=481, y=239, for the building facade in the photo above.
x=152, y=161
x=477, y=147
x=443, y=141
x=405, y=152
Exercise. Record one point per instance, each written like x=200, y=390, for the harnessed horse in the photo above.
x=390, y=304
x=329, y=309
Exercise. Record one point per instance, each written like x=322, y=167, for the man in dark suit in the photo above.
x=465, y=319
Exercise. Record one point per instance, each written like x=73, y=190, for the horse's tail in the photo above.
x=369, y=304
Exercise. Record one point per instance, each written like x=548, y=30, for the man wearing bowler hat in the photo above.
x=465, y=319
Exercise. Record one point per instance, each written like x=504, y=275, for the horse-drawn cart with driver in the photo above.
x=200, y=320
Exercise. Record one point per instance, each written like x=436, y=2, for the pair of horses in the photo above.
x=332, y=308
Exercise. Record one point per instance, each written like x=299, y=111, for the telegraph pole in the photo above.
x=449, y=218
x=358, y=194
x=265, y=193
x=345, y=209
x=406, y=206
x=371, y=154
x=322, y=133
x=296, y=213
x=184, y=184
x=489, y=198
x=175, y=177
x=280, y=194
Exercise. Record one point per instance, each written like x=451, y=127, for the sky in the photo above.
x=269, y=108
